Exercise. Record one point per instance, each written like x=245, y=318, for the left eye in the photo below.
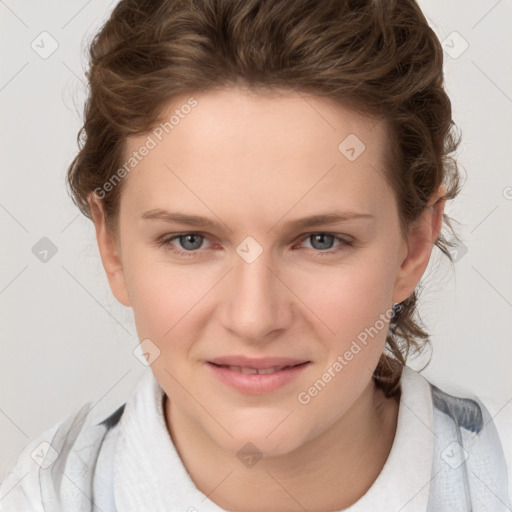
x=323, y=240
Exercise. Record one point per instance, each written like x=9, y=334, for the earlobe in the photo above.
x=109, y=252
x=422, y=237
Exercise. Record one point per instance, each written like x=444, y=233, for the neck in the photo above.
x=331, y=471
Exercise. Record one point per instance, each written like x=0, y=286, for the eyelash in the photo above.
x=166, y=240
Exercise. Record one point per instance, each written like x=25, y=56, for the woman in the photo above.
x=267, y=181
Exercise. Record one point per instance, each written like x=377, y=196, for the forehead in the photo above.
x=261, y=151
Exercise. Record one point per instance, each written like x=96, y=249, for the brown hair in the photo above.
x=379, y=57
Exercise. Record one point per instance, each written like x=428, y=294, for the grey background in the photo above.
x=65, y=339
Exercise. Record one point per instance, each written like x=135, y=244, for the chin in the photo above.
x=262, y=437
x=262, y=447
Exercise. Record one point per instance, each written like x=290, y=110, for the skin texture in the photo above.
x=253, y=161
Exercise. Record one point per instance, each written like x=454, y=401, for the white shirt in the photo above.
x=133, y=465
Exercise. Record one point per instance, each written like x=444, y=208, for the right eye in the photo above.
x=189, y=242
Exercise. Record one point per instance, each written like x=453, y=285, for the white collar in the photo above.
x=404, y=481
x=150, y=476
x=148, y=472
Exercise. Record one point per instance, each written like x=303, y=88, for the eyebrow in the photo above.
x=322, y=219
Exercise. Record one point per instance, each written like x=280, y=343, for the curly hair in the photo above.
x=378, y=57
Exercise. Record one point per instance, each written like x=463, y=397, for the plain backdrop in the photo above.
x=66, y=340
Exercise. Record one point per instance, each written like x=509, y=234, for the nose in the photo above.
x=258, y=306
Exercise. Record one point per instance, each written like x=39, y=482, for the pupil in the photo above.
x=187, y=238
x=321, y=237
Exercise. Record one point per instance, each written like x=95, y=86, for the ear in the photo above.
x=109, y=251
x=423, y=234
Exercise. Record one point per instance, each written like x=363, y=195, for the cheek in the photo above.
x=347, y=298
x=164, y=296
x=338, y=302
x=354, y=303
x=166, y=303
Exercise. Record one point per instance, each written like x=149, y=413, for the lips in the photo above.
x=257, y=376
x=259, y=371
x=246, y=364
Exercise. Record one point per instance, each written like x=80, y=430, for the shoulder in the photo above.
x=473, y=434
x=475, y=412
x=62, y=456
x=500, y=411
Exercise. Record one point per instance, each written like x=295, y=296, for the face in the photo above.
x=254, y=281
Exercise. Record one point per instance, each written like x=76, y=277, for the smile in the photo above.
x=259, y=371
x=256, y=381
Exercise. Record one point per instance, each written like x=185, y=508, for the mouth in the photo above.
x=259, y=371
x=257, y=381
